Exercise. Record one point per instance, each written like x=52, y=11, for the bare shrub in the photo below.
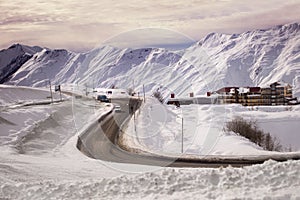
x=251, y=131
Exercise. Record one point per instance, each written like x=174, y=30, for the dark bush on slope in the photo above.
x=250, y=130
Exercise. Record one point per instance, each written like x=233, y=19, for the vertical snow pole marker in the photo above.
x=51, y=92
x=181, y=135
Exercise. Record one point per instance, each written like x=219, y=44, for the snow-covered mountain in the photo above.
x=13, y=58
x=254, y=58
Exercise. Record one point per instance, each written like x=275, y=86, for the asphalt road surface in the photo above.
x=101, y=143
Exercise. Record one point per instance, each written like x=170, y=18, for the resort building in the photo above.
x=277, y=94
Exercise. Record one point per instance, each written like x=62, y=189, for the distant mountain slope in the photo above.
x=253, y=58
x=13, y=58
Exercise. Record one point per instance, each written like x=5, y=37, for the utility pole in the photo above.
x=86, y=92
x=51, y=92
x=144, y=93
x=93, y=86
x=181, y=135
x=60, y=93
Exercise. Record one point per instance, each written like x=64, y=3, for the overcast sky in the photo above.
x=80, y=25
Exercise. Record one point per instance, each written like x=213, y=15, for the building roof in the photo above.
x=227, y=89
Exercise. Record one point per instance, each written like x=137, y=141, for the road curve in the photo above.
x=100, y=141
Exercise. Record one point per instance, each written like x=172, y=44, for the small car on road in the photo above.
x=103, y=98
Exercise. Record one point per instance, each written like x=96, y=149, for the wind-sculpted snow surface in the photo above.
x=254, y=58
x=270, y=180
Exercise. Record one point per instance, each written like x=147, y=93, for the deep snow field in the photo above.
x=158, y=128
x=39, y=159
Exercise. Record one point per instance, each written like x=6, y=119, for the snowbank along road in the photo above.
x=100, y=141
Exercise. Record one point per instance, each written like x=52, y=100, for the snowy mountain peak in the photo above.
x=288, y=28
x=25, y=48
x=214, y=39
x=253, y=58
x=13, y=58
x=106, y=48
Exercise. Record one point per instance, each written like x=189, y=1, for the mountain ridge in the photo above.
x=13, y=58
x=252, y=58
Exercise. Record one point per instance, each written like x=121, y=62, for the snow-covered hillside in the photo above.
x=162, y=129
x=13, y=58
x=39, y=160
x=254, y=58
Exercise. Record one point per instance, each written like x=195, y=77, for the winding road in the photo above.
x=101, y=142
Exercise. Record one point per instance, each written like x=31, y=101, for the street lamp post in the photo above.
x=51, y=95
x=144, y=93
x=181, y=135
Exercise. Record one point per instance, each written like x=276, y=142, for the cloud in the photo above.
x=89, y=23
